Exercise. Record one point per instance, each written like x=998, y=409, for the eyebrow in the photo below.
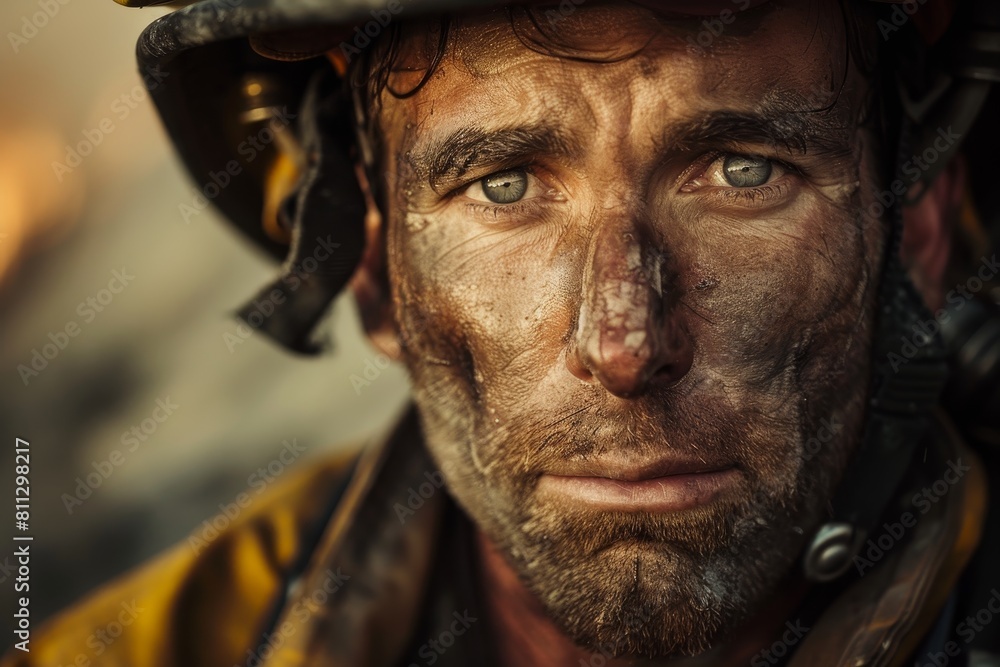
x=445, y=162
x=780, y=126
x=783, y=123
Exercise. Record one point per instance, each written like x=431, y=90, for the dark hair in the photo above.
x=369, y=75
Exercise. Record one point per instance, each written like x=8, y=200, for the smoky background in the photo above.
x=92, y=196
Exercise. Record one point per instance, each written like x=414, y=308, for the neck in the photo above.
x=526, y=637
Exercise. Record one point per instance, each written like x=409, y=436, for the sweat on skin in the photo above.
x=631, y=303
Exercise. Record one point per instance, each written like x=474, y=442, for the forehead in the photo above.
x=561, y=63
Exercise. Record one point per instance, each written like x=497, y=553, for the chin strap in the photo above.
x=909, y=369
x=326, y=215
x=904, y=389
x=909, y=360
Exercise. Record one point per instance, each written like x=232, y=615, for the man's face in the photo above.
x=635, y=292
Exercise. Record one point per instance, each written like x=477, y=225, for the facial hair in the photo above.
x=641, y=583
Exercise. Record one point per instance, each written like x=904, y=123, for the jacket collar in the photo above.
x=396, y=521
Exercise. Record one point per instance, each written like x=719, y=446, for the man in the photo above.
x=636, y=259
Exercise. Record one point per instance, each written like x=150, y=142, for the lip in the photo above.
x=624, y=467
x=662, y=486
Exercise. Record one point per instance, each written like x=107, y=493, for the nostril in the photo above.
x=671, y=372
x=627, y=334
x=622, y=368
x=575, y=363
x=628, y=364
x=677, y=359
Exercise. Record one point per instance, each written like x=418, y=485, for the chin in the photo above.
x=642, y=585
x=643, y=600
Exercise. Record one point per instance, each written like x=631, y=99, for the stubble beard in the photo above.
x=649, y=585
x=638, y=583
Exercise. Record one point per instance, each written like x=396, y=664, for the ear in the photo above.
x=927, y=227
x=370, y=283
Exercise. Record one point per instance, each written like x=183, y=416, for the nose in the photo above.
x=629, y=336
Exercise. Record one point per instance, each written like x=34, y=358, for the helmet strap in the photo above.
x=327, y=223
x=904, y=387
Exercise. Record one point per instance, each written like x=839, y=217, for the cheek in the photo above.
x=760, y=292
x=498, y=305
x=494, y=301
x=783, y=319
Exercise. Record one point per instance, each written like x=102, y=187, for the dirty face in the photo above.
x=634, y=289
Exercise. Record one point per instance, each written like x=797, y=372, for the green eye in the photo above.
x=506, y=187
x=746, y=171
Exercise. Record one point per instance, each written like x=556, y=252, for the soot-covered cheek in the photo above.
x=753, y=280
x=441, y=300
x=491, y=293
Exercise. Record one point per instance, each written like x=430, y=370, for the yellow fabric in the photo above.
x=970, y=225
x=192, y=609
x=210, y=608
x=282, y=176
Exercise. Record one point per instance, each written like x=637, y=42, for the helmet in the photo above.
x=228, y=78
x=266, y=130
x=220, y=70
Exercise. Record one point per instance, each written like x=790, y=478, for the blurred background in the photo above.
x=115, y=318
x=121, y=362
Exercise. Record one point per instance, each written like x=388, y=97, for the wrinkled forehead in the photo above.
x=794, y=40
x=720, y=54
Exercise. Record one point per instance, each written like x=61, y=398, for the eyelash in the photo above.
x=504, y=210
x=518, y=209
x=751, y=198
x=757, y=197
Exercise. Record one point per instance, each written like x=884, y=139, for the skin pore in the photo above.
x=630, y=304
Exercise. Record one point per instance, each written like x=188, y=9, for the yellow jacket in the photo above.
x=322, y=571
